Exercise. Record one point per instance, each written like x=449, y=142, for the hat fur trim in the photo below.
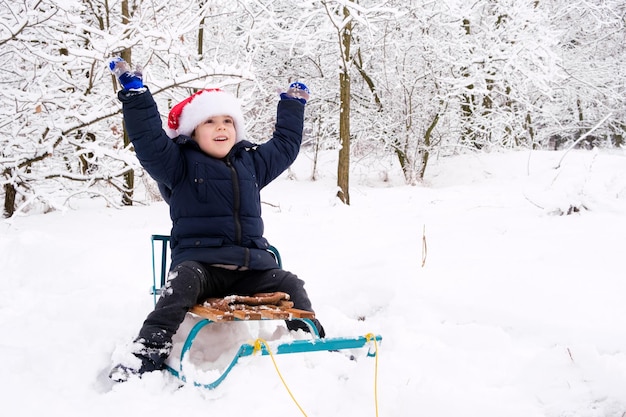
x=189, y=113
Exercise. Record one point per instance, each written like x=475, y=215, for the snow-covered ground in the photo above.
x=489, y=302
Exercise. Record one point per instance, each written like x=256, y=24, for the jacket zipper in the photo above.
x=236, y=202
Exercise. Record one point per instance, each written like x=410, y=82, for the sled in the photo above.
x=209, y=314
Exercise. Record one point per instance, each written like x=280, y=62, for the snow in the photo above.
x=511, y=308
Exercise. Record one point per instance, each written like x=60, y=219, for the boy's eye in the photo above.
x=228, y=121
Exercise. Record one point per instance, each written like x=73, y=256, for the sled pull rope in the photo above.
x=258, y=345
x=371, y=337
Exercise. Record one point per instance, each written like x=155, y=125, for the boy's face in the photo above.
x=216, y=136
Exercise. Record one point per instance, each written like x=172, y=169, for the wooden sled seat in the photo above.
x=269, y=306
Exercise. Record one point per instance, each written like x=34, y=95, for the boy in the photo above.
x=211, y=178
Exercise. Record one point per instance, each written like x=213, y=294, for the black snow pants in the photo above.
x=190, y=283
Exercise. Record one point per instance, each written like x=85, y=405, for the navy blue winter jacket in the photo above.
x=215, y=204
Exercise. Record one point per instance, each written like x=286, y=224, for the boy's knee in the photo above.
x=294, y=286
x=188, y=270
x=292, y=281
x=185, y=277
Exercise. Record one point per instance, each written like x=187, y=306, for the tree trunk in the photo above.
x=316, y=153
x=9, y=200
x=129, y=177
x=343, y=166
x=201, y=33
x=427, y=145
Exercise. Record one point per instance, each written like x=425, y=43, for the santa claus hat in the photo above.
x=189, y=113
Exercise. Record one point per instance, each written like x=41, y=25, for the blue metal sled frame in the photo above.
x=248, y=349
x=315, y=344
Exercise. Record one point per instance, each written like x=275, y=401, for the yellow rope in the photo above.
x=370, y=337
x=257, y=348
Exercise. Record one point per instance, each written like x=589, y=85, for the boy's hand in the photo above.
x=297, y=91
x=130, y=80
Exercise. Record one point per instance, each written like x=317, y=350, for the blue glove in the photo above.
x=130, y=80
x=298, y=91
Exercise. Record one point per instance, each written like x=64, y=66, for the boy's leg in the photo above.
x=186, y=283
x=279, y=280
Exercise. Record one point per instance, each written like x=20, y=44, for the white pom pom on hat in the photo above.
x=189, y=113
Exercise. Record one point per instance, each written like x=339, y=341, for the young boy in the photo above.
x=211, y=178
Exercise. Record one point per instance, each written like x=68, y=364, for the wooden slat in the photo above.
x=300, y=314
x=274, y=314
x=247, y=315
x=212, y=313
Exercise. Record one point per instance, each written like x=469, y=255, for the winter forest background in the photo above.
x=393, y=83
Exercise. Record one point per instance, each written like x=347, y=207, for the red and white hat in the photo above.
x=189, y=113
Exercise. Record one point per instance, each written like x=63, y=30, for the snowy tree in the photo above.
x=592, y=53
x=49, y=72
x=401, y=66
x=507, y=66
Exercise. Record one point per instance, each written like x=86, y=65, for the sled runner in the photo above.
x=269, y=306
